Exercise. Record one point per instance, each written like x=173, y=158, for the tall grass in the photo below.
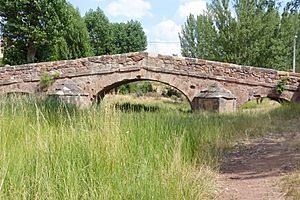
x=49, y=150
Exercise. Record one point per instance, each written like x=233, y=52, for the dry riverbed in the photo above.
x=264, y=168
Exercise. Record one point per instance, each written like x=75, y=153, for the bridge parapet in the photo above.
x=155, y=62
x=222, y=71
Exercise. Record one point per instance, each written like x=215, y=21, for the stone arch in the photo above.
x=99, y=84
x=260, y=98
x=100, y=95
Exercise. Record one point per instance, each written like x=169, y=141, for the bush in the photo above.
x=281, y=86
x=169, y=92
x=48, y=79
x=124, y=89
x=146, y=87
x=137, y=87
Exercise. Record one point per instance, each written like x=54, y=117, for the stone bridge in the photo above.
x=87, y=79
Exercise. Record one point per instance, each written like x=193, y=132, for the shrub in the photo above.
x=139, y=88
x=146, y=87
x=47, y=79
x=169, y=92
x=281, y=86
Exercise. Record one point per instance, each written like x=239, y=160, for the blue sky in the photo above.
x=161, y=19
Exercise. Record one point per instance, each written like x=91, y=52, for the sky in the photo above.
x=161, y=19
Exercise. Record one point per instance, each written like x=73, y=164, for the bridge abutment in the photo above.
x=214, y=98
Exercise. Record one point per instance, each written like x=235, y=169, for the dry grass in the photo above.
x=50, y=150
x=291, y=185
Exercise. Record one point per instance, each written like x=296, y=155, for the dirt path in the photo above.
x=253, y=170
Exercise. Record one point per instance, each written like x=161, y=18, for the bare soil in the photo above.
x=254, y=169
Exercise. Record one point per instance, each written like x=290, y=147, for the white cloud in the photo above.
x=166, y=40
x=164, y=48
x=128, y=8
x=195, y=7
x=167, y=30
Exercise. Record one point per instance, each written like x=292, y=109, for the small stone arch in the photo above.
x=261, y=98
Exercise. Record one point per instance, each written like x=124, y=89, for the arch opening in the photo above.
x=263, y=103
x=144, y=94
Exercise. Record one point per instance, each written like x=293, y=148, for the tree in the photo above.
x=98, y=27
x=127, y=37
x=25, y=29
x=226, y=43
x=41, y=30
x=76, y=35
x=197, y=37
x=257, y=26
x=114, y=38
x=283, y=48
x=188, y=38
x=252, y=33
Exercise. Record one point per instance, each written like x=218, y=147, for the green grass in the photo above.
x=264, y=104
x=49, y=150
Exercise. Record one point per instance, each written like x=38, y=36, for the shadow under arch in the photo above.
x=106, y=90
x=278, y=99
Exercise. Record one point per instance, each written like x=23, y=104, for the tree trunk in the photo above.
x=31, y=52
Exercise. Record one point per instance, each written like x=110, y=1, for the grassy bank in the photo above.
x=53, y=151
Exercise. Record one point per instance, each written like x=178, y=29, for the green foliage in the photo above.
x=127, y=37
x=281, y=86
x=137, y=87
x=197, y=36
x=124, y=89
x=114, y=38
x=48, y=79
x=99, y=30
x=46, y=30
x=256, y=33
x=146, y=87
x=150, y=103
x=42, y=30
x=170, y=91
x=76, y=35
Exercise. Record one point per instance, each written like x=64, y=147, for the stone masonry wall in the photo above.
x=187, y=74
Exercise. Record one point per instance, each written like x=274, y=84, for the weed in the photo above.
x=281, y=86
x=48, y=79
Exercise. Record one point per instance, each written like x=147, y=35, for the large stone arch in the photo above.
x=101, y=94
x=96, y=85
